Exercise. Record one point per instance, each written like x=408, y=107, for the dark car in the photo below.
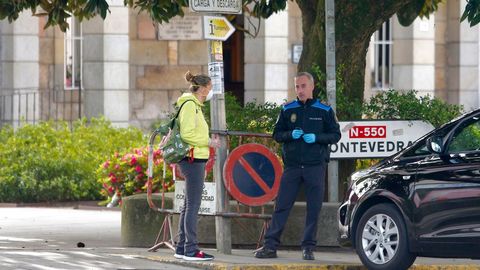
x=422, y=201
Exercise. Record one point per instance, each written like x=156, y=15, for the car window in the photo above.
x=467, y=137
x=419, y=149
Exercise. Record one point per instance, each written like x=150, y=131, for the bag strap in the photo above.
x=178, y=113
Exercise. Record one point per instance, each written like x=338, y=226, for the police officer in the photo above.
x=306, y=127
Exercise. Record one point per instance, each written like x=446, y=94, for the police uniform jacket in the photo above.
x=312, y=117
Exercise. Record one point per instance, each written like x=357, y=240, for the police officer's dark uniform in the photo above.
x=304, y=163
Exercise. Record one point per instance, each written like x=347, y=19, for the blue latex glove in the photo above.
x=297, y=133
x=309, y=137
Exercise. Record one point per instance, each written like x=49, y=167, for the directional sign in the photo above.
x=374, y=139
x=217, y=28
x=217, y=6
x=252, y=174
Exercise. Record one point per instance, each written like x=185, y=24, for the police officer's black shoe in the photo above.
x=307, y=254
x=265, y=253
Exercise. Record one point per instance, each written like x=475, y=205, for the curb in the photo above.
x=213, y=265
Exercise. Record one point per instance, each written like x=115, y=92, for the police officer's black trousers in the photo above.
x=313, y=177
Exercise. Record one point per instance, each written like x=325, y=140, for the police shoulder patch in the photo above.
x=291, y=105
x=320, y=105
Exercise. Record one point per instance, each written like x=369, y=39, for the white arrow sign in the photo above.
x=217, y=28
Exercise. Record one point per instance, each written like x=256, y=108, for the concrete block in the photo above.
x=154, y=105
x=145, y=52
x=469, y=78
x=469, y=54
x=453, y=54
x=6, y=48
x=469, y=99
x=116, y=106
x=402, y=75
x=402, y=52
x=276, y=50
x=93, y=26
x=276, y=76
x=424, y=28
x=93, y=75
x=399, y=31
x=254, y=95
x=140, y=224
x=6, y=75
x=277, y=25
x=58, y=50
x=440, y=56
x=93, y=102
x=424, y=51
x=47, y=47
x=116, y=48
x=192, y=52
x=294, y=10
x=25, y=75
x=26, y=24
x=115, y=3
x=453, y=78
x=440, y=31
x=92, y=48
x=167, y=78
x=278, y=97
x=172, y=52
x=145, y=27
x=254, y=76
x=453, y=96
x=255, y=51
x=117, y=21
x=116, y=75
x=468, y=33
x=25, y=48
x=423, y=77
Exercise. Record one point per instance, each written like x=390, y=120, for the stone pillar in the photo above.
x=266, y=61
x=106, y=76
x=414, y=56
x=19, y=68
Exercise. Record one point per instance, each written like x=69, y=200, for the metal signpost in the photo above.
x=216, y=30
x=331, y=89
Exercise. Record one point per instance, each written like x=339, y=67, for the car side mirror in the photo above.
x=435, y=145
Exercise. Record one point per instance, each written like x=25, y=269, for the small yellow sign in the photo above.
x=217, y=28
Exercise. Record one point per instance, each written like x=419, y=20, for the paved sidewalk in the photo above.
x=48, y=238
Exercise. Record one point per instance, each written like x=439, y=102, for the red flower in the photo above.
x=138, y=169
x=106, y=164
x=133, y=161
x=117, y=166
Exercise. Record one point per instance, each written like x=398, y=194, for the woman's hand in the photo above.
x=214, y=141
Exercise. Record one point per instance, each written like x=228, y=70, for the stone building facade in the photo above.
x=132, y=75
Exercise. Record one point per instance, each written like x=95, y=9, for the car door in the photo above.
x=446, y=199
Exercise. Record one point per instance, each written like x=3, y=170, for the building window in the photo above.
x=381, y=58
x=73, y=55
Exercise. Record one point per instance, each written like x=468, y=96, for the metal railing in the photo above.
x=32, y=106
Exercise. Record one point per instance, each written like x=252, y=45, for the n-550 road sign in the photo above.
x=217, y=6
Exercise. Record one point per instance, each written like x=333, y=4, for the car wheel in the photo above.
x=381, y=239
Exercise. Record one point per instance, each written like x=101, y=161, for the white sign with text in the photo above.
x=207, y=207
x=375, y=139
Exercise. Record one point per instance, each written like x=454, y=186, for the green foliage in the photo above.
x=160, y=10
x=467, y=140
x=52, y=162
x=125, y=173
x=347, y=107
x=472, y=12
x=408, y=105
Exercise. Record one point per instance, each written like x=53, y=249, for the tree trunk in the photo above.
x=355, y=23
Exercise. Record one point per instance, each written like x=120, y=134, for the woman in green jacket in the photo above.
x=195, y=132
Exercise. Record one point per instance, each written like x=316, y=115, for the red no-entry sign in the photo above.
x=252, y=174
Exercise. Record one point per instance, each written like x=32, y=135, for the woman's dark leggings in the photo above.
x=187, y=226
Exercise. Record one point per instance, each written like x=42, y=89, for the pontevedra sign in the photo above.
x=374, y=139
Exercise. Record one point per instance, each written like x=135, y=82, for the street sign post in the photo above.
x=217, y=6
x=217, y=28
